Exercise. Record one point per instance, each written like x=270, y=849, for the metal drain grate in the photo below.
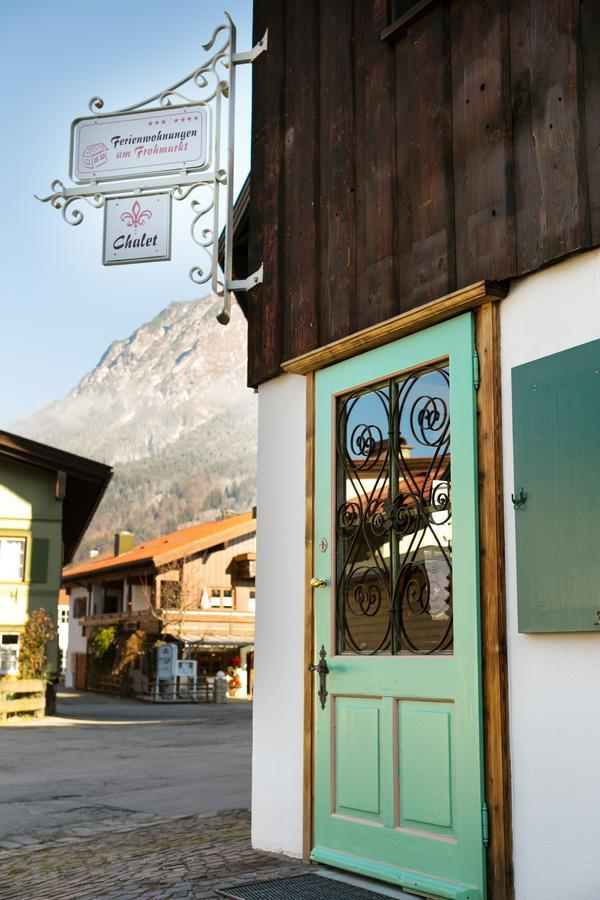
x=302, y=887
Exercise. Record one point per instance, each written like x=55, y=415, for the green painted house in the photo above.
x=47, y=499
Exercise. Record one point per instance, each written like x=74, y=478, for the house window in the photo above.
x=63, y=617
x=221, y=598
x=12, y=559
x=170, y=595
x=252, y=602
x=9, y=654
x=79, y=607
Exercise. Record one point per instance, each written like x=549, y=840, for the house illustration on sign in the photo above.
x=94, y=156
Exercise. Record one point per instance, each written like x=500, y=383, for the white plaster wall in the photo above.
x=76, y=642
x=63, y=638
x=279, y=661
x=554, y=680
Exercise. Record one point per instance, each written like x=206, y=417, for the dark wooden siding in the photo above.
x=386, y=174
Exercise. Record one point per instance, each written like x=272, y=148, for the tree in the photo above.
x=38, y=630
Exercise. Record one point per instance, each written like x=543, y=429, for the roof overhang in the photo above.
x=213, y=641
x=155, y=558
x=79, y=577
x=81, y=488
x=206, y=543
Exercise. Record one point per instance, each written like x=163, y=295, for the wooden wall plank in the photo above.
x=482, y=146
x=337, y=171
x=590, y=40
x=265, y=309
x=425, y=204
x=550, y=172
x=301, y=228
x=376, y=287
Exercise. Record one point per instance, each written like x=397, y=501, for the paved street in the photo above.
x=117, y=798
x=107, y=758
x=185, y=858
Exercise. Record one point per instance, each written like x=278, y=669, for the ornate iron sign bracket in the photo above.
x=211, y=86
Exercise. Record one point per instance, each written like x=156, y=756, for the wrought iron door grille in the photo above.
x=393, y=516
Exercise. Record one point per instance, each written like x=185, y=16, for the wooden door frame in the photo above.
x=483, y=299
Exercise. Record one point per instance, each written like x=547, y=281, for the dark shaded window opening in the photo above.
x=111, y=603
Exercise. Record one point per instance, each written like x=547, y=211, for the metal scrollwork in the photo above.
x=205, y=78
x=394, y=566
x=348, y=518
x=65, y=203
x=366, y=596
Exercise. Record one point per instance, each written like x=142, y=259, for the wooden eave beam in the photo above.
x=397, y=28
x=446, y=307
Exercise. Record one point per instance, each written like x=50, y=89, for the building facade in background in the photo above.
x=194, y=587
x=47, y=498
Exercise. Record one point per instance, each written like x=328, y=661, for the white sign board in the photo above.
x=128, y=145
x=166, y=661
x=137, y=229
x=187, y=667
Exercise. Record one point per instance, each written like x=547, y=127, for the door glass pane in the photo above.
x=364, y=623
x=393, y=516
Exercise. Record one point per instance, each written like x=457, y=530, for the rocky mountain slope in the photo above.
x=169, y=408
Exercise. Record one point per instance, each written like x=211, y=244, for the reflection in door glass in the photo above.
x=393, y=519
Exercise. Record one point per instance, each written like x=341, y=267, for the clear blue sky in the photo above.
x=59, y=307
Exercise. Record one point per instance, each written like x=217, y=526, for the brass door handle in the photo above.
x=318, y=582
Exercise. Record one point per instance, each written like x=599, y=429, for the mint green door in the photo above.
x=398, y=744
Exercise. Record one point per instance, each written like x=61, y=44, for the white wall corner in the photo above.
x=277, y=756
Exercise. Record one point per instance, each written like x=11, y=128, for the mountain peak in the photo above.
x=176, y=381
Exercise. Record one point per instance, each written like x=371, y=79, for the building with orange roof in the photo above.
x=193, y=588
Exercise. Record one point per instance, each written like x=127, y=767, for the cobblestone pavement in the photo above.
x=179, y=857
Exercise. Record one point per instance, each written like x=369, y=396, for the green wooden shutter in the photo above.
x=556, y=432
x=40, y=550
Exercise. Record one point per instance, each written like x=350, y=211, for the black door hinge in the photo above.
x=476, y=375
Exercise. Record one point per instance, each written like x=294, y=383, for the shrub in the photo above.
x=131, y=649
x=38, y=630
x=104, y=641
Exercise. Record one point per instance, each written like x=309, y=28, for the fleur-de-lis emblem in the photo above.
x=137, y=216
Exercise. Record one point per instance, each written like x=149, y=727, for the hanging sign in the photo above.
x=128, y=145
x=137, y=229
x=184, y=136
